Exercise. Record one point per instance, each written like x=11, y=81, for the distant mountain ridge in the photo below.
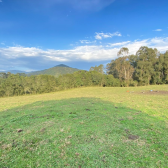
x=62, y=65
x=55, y=71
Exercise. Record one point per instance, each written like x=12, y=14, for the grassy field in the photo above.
x=86, y=127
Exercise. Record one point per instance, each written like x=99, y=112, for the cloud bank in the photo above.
x=32, y=57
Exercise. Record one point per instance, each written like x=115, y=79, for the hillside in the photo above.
x=55, y=71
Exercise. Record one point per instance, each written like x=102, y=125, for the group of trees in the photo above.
x=99, y=69
x=147, y=66
x=14, y=85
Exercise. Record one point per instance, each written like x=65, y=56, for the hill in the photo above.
x=55, y=71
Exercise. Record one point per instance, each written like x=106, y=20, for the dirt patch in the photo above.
x=133, y=137
x=121, y=119
x=19, y=130
x=154, y=92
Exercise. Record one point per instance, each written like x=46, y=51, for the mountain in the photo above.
x=62, y=65
x=55, y=71
x=13, y=71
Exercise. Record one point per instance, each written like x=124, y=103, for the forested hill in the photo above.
x=55, y=71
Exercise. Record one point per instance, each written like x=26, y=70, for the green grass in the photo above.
x=84, y=131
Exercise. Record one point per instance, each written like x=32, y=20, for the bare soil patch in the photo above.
x=154, y=92
x=133, y=137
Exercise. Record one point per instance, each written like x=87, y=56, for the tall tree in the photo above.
x=145, y=65
x=99, y=69
x=123, y=52
x=159, y=70
x=121, y=67
x=165, y=67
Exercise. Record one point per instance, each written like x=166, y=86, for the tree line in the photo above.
x=147, y=66
x=15, y=85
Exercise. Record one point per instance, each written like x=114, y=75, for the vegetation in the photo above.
x=99, y=69
x=148, y=66
x=15, y=85
x=80, y=128
x=55, y=71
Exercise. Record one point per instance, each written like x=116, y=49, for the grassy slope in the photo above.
x=55, y=71
x=155, y=105
x=85, y=132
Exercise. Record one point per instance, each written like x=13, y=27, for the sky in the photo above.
x=40, y=34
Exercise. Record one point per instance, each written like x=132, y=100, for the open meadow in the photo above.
x=86, y=127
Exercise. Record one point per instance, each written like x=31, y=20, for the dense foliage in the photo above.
x=148, y=66
x=14, y=85
x=99, y=68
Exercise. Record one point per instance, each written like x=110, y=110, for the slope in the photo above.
x=55, y=71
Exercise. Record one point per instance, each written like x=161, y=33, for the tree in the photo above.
x=126, y=68
x=146, y=61
x=99, y=69
x=121, y=67
x=3, y=75
x=159, y=70
x=165, y=67
x=123, y=52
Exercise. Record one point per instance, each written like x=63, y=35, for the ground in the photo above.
x=86, y=127
x=155, y=92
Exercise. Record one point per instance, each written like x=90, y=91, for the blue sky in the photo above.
x=39, y=34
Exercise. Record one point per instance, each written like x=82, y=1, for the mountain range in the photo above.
x=55, y=71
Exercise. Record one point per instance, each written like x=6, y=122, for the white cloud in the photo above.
x=24, y=56
x=117, y=44
x=158, y=30
x=100, y=36
x=87, y=41
x=2, y=43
